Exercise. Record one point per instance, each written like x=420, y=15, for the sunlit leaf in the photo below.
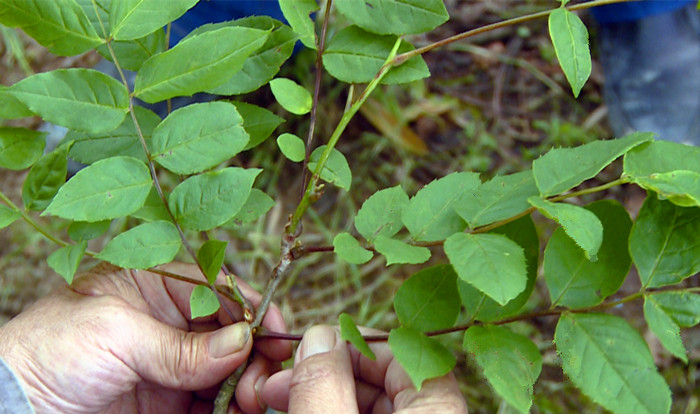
x=397, y=251
x=291, y=96
x=394, y=16
x=297, y=14
x=336, y=170
x=65, y=261
x=20, y=147
x=348, y=248
x=132, y=19
x=570, y=39
x=350, y=333
x=144, y=246
x=292, y=147
x=203, y=302
x=211, y=257
x=380, y=214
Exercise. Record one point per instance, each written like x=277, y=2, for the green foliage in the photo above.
x=380, y=214
x=291, y=96
x=347, y=247
x=144, y=246
x=132, y=19
x=336, y=170
x=65, y=261
x=394, y=16
x=297, y=14
x=211, y=257
x=428, y=300
x=8, y=216
x=350, y=333
x=83, y=230
x=292, y=147
x=397, y=251
x=421, y=356
x=20, y=147
x=570, y=39
x=203, y=302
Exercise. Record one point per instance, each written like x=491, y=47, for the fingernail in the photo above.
x=258, y=390
x=229, y=340
x=317, y=340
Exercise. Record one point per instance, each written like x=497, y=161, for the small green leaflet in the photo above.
x=110, y=188
x=80, y=99
x=82, y=230
x=198, y=137
x=668, y=332
x=257, y=204
x=131, y=54
x=297, y=14
x=355, y=56
x=667, y=312
x=62, y=26
x=430, y=214
x=144, y=246
x=492, y=263
x=397, y=251
x=211, y=257
x=428, y=300
x=20, y=147
x=581, y=225
x=257, y=121
x=500, y=198
x=65, y=261
x=380, y=214
x=511, y=362
x=8, y=216
x=664, y=242
x=292, y=147
x=570, y=39
x=611, y=363
x=291, y=96
x=220, y=53
x=422, y=357
x=205, y=201
x=350, y=333
x=203, y=302
x=132, y=19
x=397, y=17
x=336, y=169
x=572, y=279
x=348, y=248
x=562, y=169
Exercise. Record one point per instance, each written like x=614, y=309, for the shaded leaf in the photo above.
x=682, y=307
x=8, y=216
x=380, y=214
x=257, y=121
x=297, y=14
x=82, y=230
x=11, y=107
x=349, y=249
x=132, y=19
x=663, y=326
x=292, y=147
x=428, y=300
x=144, y=246
x=350, y=333
x=291, y=96
x=397, y=251
x=570, y=39
x=335, y=171
x=20, y=147
x=131, y=54
x=660, y=157
x=203, y=302
x=257, y=204
x=211, y=257
x=45, y=178
x=680, y=187
x=65, y=261
x=394, y=16
x=422, y=357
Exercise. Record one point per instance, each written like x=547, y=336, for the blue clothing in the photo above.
x=625, y=12
x=13, y=400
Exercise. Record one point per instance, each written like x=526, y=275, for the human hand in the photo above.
x=123, y=341
x=332, y=377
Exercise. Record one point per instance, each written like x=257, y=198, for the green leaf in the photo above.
x=45, y=178
x=430, y=214
x=562, y=169
x=65, y=261
x=211, y=257
x=663, y=326
x=348, y=248
x=203, y=302
x=397, y=17
x=198, y=137
x=336, y=170
x=682, y=307
x=265, y=62
x=350, y=333
x=122, y=141
x=80, y=99
x=680, y=187
x=511, y=362
x=110, y=188
x=570, y=39
x=481, y=307
x=291, y=96
x=20, y=147
x=83, y=231
x=380, y=214
x=8, y=216
x=257, y=121
x=131, y=54
x=422, y=357
x=132, y=19
x=61, y=26
x=500, y=198
x=492, y=263
x=428, y=300
x=355, y=56
x=257, y=204
x=144, y=246
x=220, y=53
x=11, y=107
x=292, y=147
x=297, y=14
x=610, y=362
x=205, y=201
x=153, y=208
x=664, y=242
x=397, y=251
x=581, y=225
x=97, y=12
x=572, y=279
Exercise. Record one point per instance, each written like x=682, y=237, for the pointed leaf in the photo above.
x=257, y=121
x=291, y=96
x=11, y=107
x=8, y=216
x=511, y=362
x=682, y=307
x=350, y=333
x=572, y=279
x=205, y=201
x=562, y=169
x=348, y=248
x=336, y=170
x=397, y=251
x=292, y=147
x=380, y=214
x=45, y=178
x=132, y=19
x=570, y=39
x=211, y=257
x=110, y=188
x=257, y=204
x=430, y=214
x=203, y=302
x=428, y=300
x=664, y=327
x=198, y=137
x=664, y=242
x=80, y=99
x=581, y=225
x=394, y=16
x=144, y=246
x=422, y=357
x=610, y=362
x=297, y=14
x=83, y=231
x=65, y=261
x=20, y=147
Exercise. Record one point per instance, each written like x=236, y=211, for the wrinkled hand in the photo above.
x=120, y=341
x=332, y=377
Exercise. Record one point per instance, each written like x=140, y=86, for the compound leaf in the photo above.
x=397, y=251
x=291, y=96
x=292, y=147
x=397, y=17
x=336, y=169
x=45, y=178
x=348, y=248
x=428, y=300
x=65, y=261
x=257, y=121
x=422, y=357
x=143, y=246
x=203, y=302
x=350, y=333
x=132, y=19
x=297, y=14
x=20, y=147
x=380, y=214
x=211, y=257
x=570, y=39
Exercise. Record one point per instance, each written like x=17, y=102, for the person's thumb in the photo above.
x=322, y=379
x=189, y=360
